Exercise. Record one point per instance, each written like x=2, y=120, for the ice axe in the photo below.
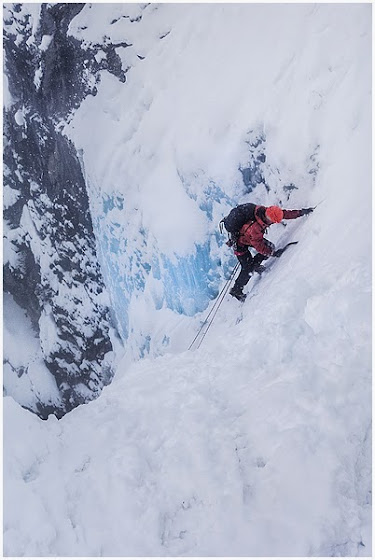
x=279, y=252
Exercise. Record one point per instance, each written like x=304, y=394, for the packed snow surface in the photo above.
x=259, y=442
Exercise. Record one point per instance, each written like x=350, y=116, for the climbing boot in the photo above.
x=259, y=268
x=237, y=293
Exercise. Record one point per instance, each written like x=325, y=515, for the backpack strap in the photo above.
x=246, y=226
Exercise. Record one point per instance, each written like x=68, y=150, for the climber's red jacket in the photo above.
x=253, y=232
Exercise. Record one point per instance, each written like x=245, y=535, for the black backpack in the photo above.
x=237, y=217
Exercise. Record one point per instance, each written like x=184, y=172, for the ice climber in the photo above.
x=247, y=224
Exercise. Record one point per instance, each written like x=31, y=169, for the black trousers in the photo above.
x=248, y=263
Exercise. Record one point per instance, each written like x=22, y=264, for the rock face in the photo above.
x=50, y=263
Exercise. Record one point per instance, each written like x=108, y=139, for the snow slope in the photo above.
x=258, y=443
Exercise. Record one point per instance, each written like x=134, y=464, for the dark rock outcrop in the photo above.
x=51, y=267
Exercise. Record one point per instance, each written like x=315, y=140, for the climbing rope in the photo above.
x=214, y=310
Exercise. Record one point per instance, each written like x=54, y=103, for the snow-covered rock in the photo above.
x=51, y=268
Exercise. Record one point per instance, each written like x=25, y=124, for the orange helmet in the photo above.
x=274, y=214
